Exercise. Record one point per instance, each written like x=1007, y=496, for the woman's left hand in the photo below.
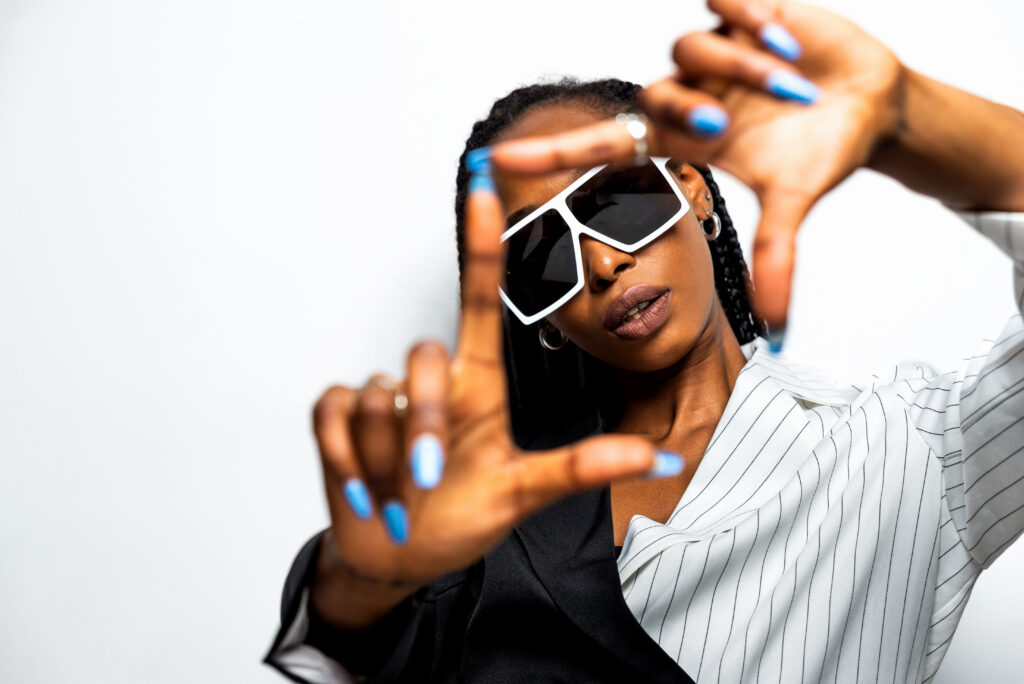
x=788, y=139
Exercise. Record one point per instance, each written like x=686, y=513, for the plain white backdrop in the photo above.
x=210, y=210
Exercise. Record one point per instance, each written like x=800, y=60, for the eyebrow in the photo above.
x=522, y=212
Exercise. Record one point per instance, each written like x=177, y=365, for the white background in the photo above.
x=211, y=210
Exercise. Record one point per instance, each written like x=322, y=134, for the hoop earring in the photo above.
x=549, y=345
x=716, y=227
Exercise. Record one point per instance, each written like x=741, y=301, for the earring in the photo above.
x=547, y=344
x=716, y=228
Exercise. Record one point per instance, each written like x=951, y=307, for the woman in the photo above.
x=807, y=533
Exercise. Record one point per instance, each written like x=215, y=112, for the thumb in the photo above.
x=774, y=259
x=542, y=477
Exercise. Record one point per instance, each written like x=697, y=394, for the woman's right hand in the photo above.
x=392, y=533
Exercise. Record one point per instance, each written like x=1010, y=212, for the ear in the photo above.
x=696, y=190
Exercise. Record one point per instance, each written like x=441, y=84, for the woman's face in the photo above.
x=678, y=264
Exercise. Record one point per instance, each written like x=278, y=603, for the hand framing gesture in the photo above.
x=423, y=487
x=738, y=99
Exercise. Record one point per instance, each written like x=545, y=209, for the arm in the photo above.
x=954, y=146
x=308, y=648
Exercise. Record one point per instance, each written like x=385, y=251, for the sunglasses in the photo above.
x=625, y=208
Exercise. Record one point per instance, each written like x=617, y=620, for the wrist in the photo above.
x=349, y=599
x=892, y=118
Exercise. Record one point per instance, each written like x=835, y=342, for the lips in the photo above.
x=624, y=303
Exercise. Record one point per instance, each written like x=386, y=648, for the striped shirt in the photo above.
x=834, y=534
x=830, y=534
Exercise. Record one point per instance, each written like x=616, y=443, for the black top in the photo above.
x=545, y=605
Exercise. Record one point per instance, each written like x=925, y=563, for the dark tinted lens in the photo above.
x=626, y=204
x=540, y=263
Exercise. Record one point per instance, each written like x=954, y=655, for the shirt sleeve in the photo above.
x=973, y=418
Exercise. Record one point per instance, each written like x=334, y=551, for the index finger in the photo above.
x=599, y=143
x=480, y=321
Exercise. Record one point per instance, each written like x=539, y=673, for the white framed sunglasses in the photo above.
x=625, y=208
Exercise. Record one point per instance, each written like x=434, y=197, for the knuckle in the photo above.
x=428, y=350
x=329, y=403
x=684, y=47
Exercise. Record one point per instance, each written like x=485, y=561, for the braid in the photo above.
x=556, y=398
x=732, y=279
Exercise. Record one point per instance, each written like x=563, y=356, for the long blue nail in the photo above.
x=396, y=521
x=775, y=339
x=481, y=182
x=792, y=86
x=666, y=464
x=708, y=120
x=781, y=41
x=427, y=461
x=358, y=497
x=479, y=160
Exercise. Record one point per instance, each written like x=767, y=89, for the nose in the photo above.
x=603, y=264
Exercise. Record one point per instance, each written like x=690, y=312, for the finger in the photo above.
x=480, y=322
x=603, y=142
x=427, y=426
x=710, y=55
x=774, y=259
x=543, y=477
x=376, y=431
x=762, y=18
x=331, y=415
x=674, y=108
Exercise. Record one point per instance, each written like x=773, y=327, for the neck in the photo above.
x=678, y=408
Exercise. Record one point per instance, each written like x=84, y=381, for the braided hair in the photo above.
x=559, y=397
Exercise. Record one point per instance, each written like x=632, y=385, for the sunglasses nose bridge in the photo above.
x=602, y=263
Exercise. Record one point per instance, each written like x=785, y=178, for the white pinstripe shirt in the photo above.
x=835, y=534
x=830, y=534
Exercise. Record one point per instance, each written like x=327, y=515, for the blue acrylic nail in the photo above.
x=427, y=461
x=708, y=120
x=780, y=41
x=481, y=182
x=775, y=339
x=666, y=464
x=790, y=86
x=396, y=520
x=358, y=498
x=479, y=160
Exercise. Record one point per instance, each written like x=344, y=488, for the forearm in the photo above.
x=347, y=600
x=962, y=149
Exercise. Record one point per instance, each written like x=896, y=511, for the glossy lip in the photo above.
x=650, y=320
x=627, y=300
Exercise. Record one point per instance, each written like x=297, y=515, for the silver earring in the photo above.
x=716, y=226
x=547, y=344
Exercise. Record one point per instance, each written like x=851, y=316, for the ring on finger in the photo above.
x=399, y=400
x=636, y=126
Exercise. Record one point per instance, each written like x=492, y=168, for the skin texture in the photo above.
x=676, y=382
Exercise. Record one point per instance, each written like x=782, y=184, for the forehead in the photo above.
x=519, y=191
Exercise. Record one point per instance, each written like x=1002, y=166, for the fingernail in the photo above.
x=479, y=160
x=396, y=521
x=775, y=338
x=708, y=120
x=792, y=86
x=427, y=461
x=481, y=182
x=358, y=497
x=666, y=464
x=781, y=41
